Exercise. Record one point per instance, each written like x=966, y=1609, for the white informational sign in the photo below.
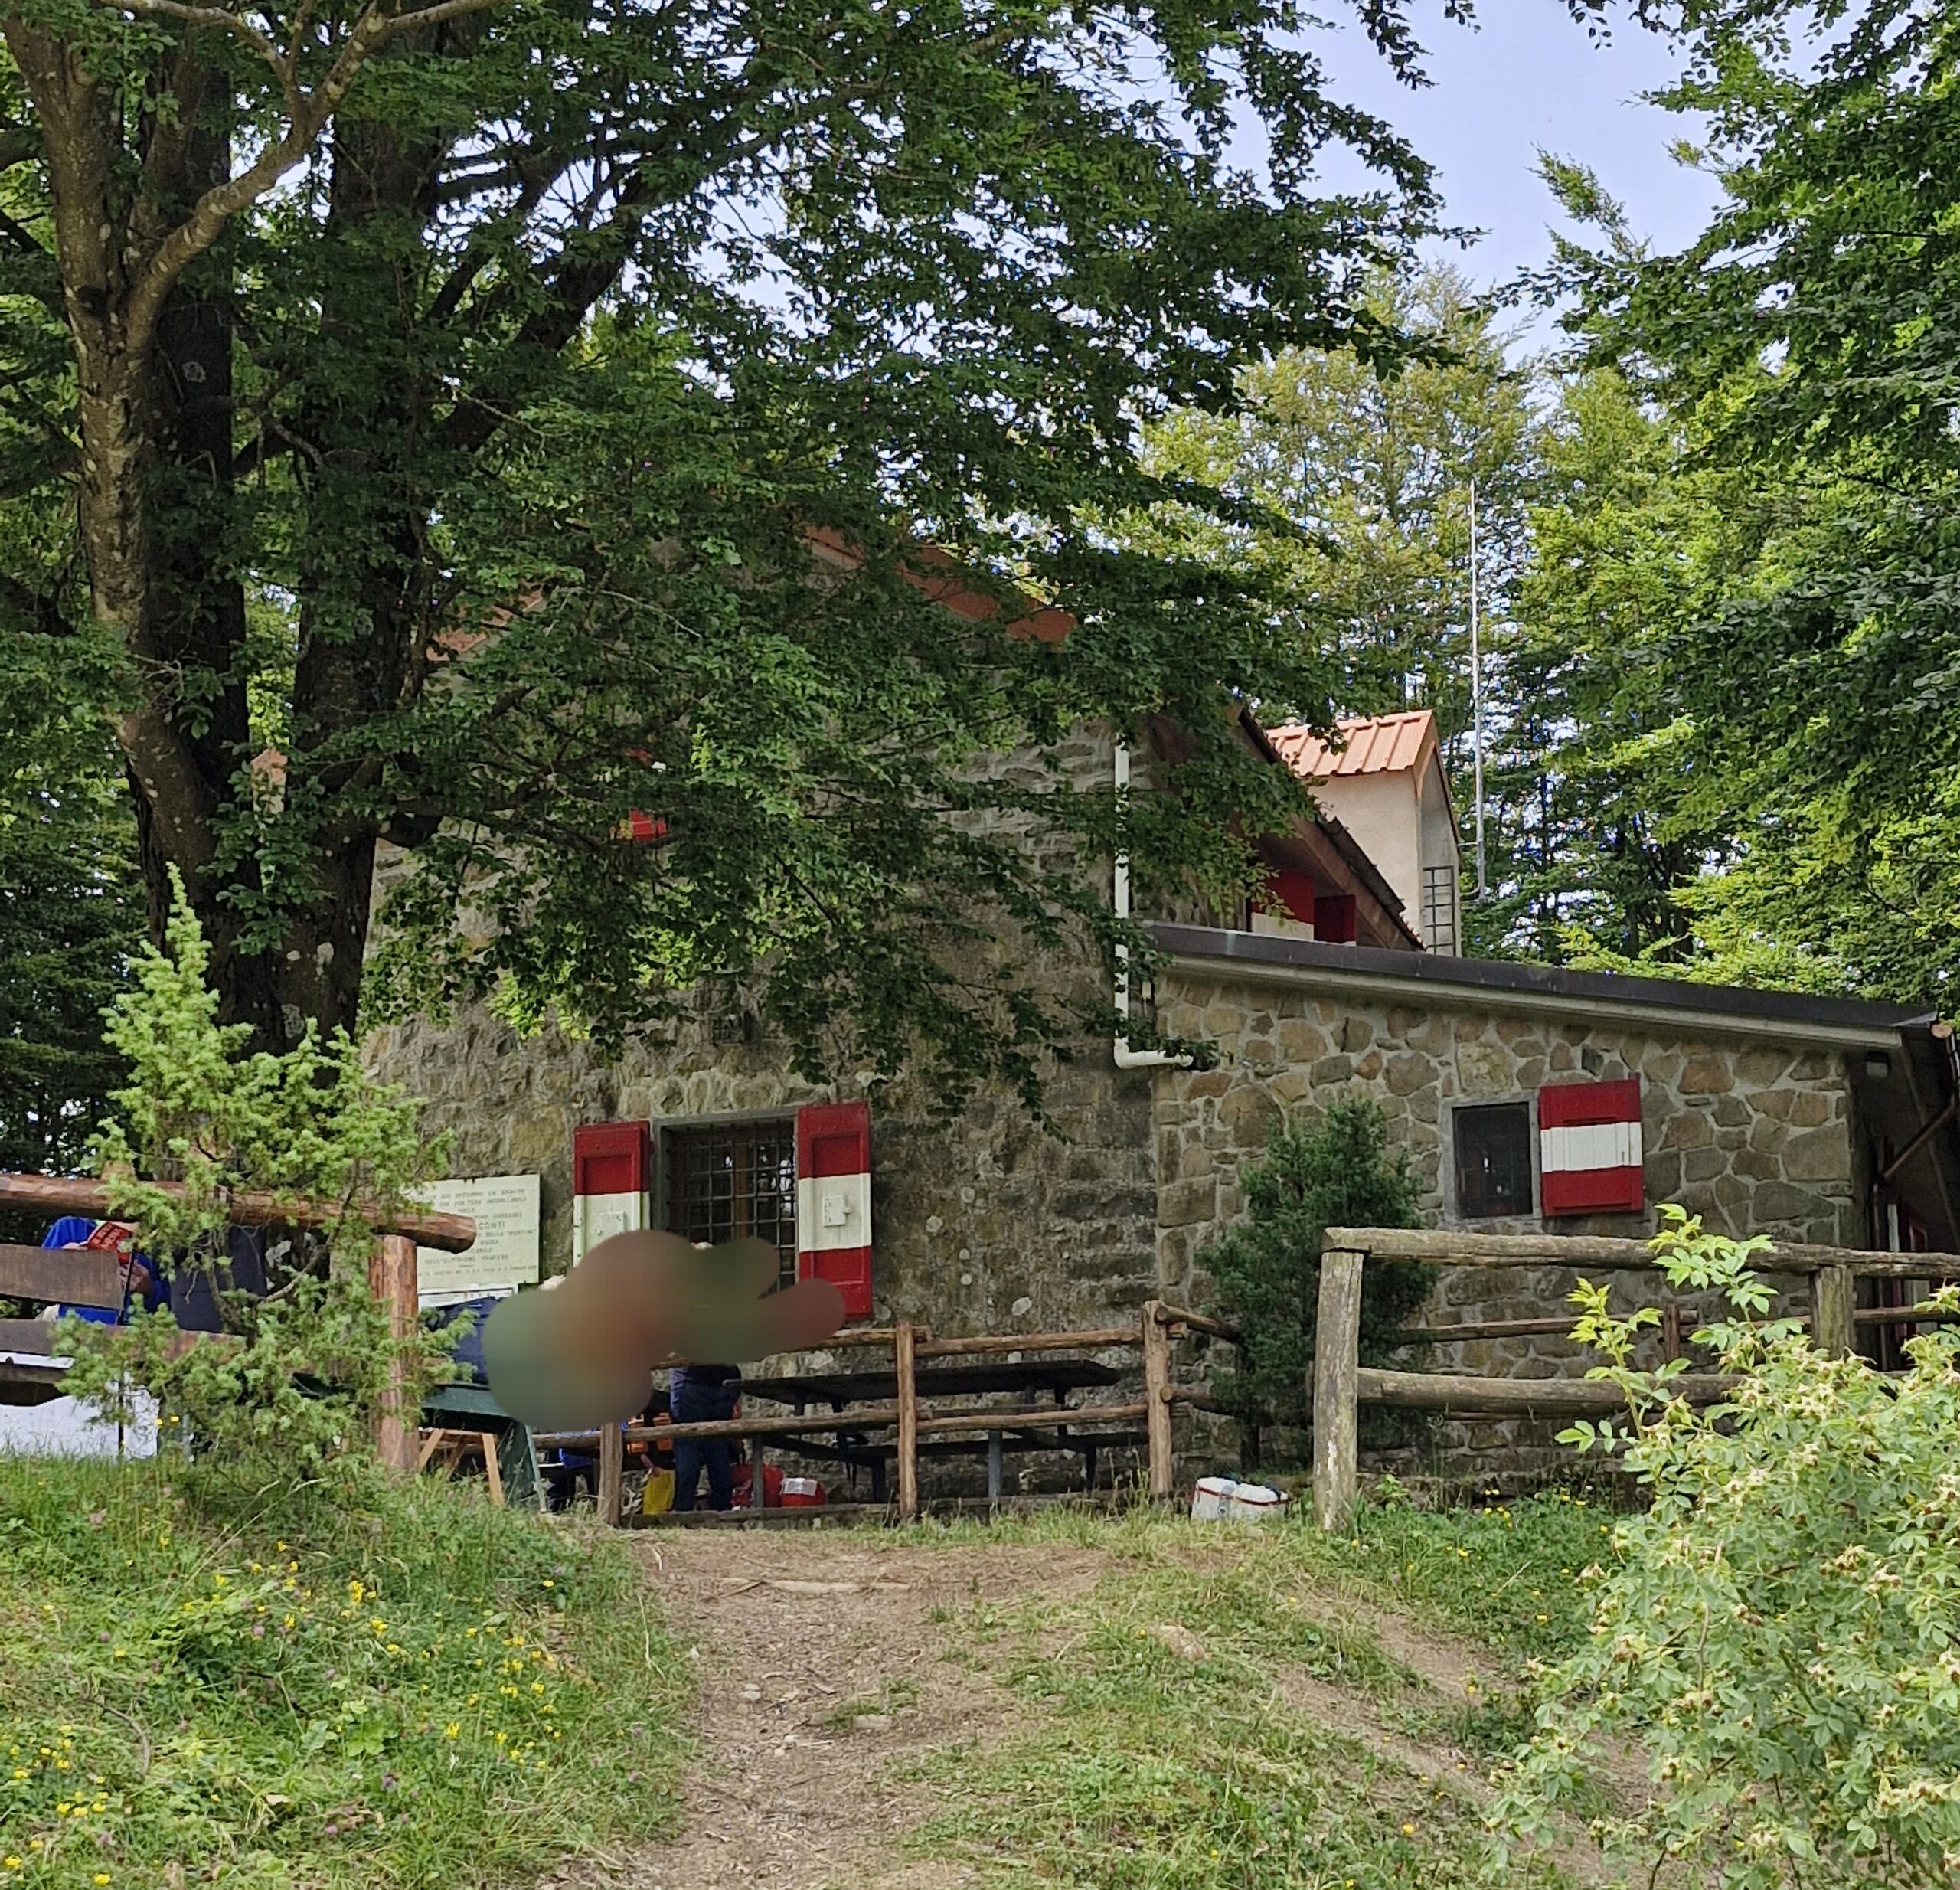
x=504, y=1208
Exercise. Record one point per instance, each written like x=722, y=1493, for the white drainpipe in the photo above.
x=1126, y=1058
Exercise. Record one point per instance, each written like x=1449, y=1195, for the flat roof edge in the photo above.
x=1850, y=1022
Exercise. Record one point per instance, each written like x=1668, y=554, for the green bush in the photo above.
x=1780, y=1632
x=201, y=1112
x=1339, y=1172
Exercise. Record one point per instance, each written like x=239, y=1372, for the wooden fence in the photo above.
x=1341, y=1384
x=67, y=1277
x=910, y=1420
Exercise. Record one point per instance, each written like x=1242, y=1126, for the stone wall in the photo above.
x=1756, y=1137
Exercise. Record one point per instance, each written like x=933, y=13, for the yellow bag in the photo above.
x=657, y=1498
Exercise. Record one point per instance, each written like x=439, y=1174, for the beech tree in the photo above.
x=1803, y=347
x=487, y=428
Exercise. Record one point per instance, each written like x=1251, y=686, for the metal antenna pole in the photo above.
x=1476, y=690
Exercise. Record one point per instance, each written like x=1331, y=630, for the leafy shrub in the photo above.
x=201, y=1111
x=1339, y=1172
x=295, y=1386
x=1781, y=1630
x=292, y=1393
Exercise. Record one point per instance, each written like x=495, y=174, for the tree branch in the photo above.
x=309, y=112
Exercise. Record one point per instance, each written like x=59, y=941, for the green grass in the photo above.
x=1153, y=1762
x=395, y=1685
x=1509, y=1575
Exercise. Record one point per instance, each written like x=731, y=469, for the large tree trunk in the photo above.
x=156, y=514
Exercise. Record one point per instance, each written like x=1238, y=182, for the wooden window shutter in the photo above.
x=1589, y=1151
x=611, y=1172
x=833, y=1200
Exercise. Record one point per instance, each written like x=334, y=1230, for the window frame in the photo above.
x=676, y=1137
x=1524, y=1100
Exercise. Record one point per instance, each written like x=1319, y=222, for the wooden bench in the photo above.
x=48, y=1276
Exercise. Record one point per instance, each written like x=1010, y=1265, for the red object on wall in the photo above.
x=644, y=827
x=833, y=1200
x=1334, y=922
x=612, y=1158
x=1291, y=891
x=1589, y=1148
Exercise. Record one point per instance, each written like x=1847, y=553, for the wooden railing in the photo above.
x=67, y=1277
x=1341, y=1384
x=910, y=1420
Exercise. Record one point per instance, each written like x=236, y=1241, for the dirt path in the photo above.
x=822, y=1661
x=823, y=1664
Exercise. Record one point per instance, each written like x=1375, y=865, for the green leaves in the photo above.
x=202, y=1113
x=520, y=400
x=1777, y=1631
x=1337, y=1171
x=1802, y=349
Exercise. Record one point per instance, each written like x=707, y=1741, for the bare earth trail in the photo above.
x=822, y=1669
x=822, y=1661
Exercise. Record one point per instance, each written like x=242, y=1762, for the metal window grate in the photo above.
x=1439, y=908
x=1493, y=1144
x=737, y=1179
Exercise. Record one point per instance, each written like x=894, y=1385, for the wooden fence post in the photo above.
x=904, y=1355
x=1833, y=1298
x=1157, y=1399
x=1337, y=1363
x=612, y=1473
x=391, y=1279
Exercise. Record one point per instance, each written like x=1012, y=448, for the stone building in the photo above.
x=1527, y=1097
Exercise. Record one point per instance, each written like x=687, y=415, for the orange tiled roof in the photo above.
x=1374, y=744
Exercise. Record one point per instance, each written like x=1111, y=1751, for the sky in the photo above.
x=1526, y=77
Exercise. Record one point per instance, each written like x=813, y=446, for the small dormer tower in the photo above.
x=1383, y=779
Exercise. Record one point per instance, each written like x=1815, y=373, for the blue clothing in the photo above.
x=71, y=1230
x=711, y=1377
x=695, y=1402
x=194, y=1290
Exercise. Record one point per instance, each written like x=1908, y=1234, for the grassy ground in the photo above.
x=1230, y=1710
x=410, y=1689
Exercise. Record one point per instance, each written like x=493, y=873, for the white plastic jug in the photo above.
x=1211, y=1497
x=1254, y=1503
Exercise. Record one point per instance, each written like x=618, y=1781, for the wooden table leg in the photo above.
x=758, y=1498
x=994, y=1467
x=903, y=1355
x=492, y=1470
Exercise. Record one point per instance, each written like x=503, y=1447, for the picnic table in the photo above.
x=1035, y=1421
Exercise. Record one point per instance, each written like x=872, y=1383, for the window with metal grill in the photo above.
x=1493, y=1160
x=1439, y=908
x=733, y=1180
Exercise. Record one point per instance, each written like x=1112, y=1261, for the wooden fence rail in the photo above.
x=1341, y=1384
x=66, y=1276
x=912, y=1420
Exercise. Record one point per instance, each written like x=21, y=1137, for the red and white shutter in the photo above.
x=612, y=1170
x=1589, y=1148
x=833, y=1200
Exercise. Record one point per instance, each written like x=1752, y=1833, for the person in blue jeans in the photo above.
x=701, y=1394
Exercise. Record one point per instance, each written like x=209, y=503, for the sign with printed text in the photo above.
x=505, y=1210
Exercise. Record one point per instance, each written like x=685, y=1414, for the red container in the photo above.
x=801, y=1493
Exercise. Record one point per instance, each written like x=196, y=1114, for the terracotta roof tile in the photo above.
x=1375, y=744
